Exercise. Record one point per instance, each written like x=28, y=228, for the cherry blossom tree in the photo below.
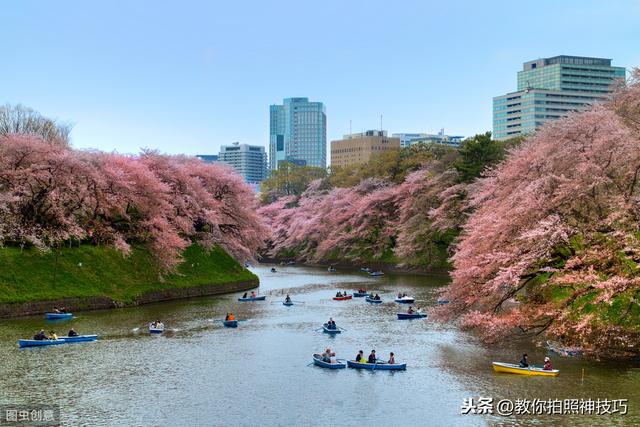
x=555, y=227
x=50, y=194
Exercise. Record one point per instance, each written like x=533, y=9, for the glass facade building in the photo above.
x=550, y=88
x=250, y=161
x=298, y=133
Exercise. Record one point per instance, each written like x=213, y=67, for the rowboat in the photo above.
x=346, y=297
x=57, y=316
x=317, y=360
x=79, y=338
x=365, y=269
x=156, y=329
x=415, y=315
x=360, y=294
x=380, y=366
x=39, y=343
x=257, y=298
x=405, y=300
x=287, y=303
x=331, y=270
x=373, y=301
x=510, y=368
x=327, y=330
x=230, y=323
x=376, y=273
x=443, y=301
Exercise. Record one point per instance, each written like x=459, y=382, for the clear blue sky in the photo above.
x=189, y=76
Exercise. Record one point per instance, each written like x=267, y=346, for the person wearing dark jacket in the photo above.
x=524, y=362
x=72, y=333
x=40, y=336
x=372, y=357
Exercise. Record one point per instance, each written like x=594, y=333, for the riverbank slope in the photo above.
x=93, y=277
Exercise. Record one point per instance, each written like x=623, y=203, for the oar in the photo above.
x=340, y=327
x=298, y=302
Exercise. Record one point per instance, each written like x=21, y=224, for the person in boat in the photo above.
x=326, y=356
x=338, y=294
x=524, y=362
x=52, y=335
x=411, y=310
x=331, y=324
x=231, y=316
x=63, y=309
x=392, y=359
x=40, y=336
x=245, y=295
x=360, y=357
x=273, y=269
x=72, y=333
x=377, y=297
x=399, y=295
x=253, y=294
x=547, y=365
x=287, y=299
x=372, y=357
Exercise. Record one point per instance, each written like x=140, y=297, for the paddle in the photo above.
x=340, y=327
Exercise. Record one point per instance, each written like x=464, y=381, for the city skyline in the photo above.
x=180, y=83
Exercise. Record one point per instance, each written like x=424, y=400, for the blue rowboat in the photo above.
x=373, y=301
x=380, y=366
x=57, y=316
x=317, y=360
x=156, y=330
x=287, y=303
x=402, y=316
x=258, y=298
x=365, y=269
x=230, y=323
x=39, y=343
x=376, y=273
x=360, y=294
x=79, y=338
x=443, y=301
x=326, y=329
x=405, y=300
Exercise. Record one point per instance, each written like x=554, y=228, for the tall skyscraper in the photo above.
x=298, y=133
x=550, y=88
x=250, y=161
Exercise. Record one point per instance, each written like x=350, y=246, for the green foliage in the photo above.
x=90, y=271
x=289, y=180
x=480, y=152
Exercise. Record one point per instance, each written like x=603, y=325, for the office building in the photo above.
x=298, y=133
x=250, y=161
x=358, y=148
x=551, y=88
x=407, y=139
x=208, y=158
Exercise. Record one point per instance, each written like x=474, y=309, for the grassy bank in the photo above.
x=90, y=271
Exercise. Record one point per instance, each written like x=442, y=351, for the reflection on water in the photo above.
x=199, y=373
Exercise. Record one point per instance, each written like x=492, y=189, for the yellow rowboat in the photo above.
x=510, y=368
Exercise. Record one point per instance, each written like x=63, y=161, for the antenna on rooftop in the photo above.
x=381, y=123
x=350, y=131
